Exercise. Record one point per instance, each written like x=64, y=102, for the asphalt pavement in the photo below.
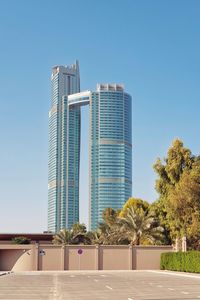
x=98, y=285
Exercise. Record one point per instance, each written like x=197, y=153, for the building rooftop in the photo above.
x=66, y=68
x=110, y=87
x=33, y=236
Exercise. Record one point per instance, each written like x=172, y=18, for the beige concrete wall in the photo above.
x=49, y=257
x=114, y=258
x=6, y=242
x=16, y=259
x=52, y=258
x=148, y=257
x=88, y=260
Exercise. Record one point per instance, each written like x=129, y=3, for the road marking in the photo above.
x=109, y=287
x=72, y=276
x=130, y=299
x=88, y=276
x=185, y=293
x=96, y=280
x=198, y=296
x=103, y=275
x=170, y=289
x=160, y=286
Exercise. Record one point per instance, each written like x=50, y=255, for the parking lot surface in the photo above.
x=96, y=285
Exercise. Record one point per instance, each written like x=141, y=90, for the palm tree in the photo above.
x=109, y=231
x=76, y=235
x=93, y=237
x=80, y=235
x=112, y=235
x=63, y=237
x=79, y=228
x=110, y=215
x=141, y=227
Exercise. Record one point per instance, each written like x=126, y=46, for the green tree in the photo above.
x=93, y=237
x=141, y=227
x=111, y=235
x=63, y=237
x=110, y=215
x=177, y=161
x=157, y=209
x=79, y=228
x=178, y=186
x=184, y=203
x=76, y=235
x=109, y=232
x=138, y=205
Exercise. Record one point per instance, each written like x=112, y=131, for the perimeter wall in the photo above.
x=44, y=257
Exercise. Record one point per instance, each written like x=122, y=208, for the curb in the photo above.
x=176, y=273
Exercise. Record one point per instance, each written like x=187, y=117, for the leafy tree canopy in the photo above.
x=138, y=205
x=184, y=203
x=178, y=184
x=177, y=161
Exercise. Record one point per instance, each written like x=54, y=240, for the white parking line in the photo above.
x=72, y=276
x=160, y=286
x=96, y=280
x=109, y=287
x=185, y=293
x=130, y=299
x=171, y=289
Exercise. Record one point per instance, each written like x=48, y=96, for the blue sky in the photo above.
x=151, y=46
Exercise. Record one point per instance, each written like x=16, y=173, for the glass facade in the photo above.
x=73, y=164
x=110, y=148
x=65, y=80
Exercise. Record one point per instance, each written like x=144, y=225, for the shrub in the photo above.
x=21, y=240
x=181, y=261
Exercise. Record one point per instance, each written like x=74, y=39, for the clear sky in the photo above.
x=153, y=47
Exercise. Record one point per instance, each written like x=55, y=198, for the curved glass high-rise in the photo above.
x=110, y=149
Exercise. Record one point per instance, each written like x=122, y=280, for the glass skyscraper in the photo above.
x=62, y=201
x=110, y=148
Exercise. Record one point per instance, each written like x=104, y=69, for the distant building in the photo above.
x=65, y=81
x=110, y=149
